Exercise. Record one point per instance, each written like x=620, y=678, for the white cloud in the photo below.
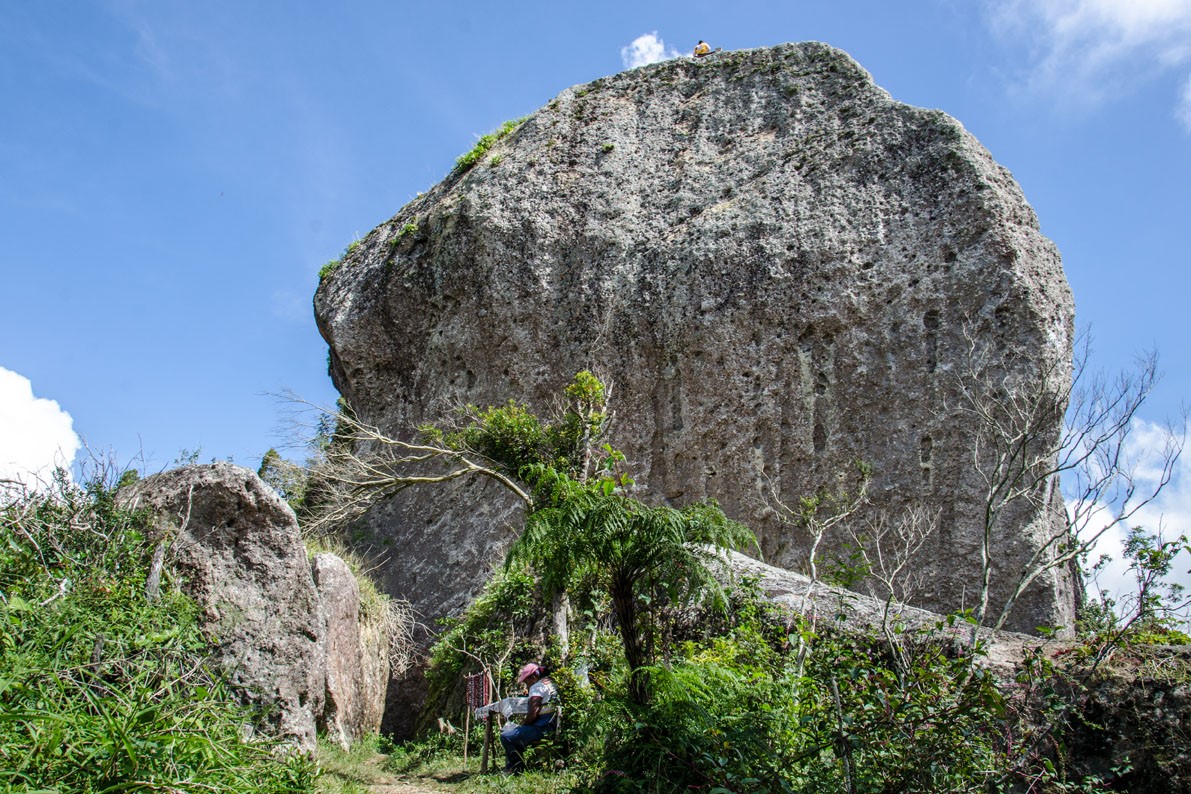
x=1169, y=513
x=646, y=49
x=1090, y=50
x=35, y=434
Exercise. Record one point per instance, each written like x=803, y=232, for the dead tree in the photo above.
x=1043, y=435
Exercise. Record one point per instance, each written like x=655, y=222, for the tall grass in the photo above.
x=104, y=679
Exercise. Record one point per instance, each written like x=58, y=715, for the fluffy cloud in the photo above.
x=1093, y=49
x=1169, y=513
x=35, y=434
x=646, y=49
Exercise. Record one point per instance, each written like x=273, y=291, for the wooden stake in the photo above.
x=466, y=736
x=487, y=744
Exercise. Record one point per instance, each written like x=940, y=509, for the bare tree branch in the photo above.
x=363, y=466
x=1022, y=459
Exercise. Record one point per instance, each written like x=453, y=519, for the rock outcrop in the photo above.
x=296, y=651
x=1126, y=720
x=778, y=269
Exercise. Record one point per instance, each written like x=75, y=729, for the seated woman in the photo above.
x=540, y=719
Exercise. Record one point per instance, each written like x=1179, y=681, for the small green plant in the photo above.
x=328, y=269
x=495, y=161
x=607, y=147
x=188, y=457
x=485, y=143
x=407, y=230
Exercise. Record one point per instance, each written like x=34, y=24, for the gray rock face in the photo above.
x=1136, y=716
x=289, y=632
x=868, y=615
x=776, y=267
x=237, y=551
x=357, y=667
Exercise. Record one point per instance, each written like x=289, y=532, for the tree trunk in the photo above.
x=560, y=607
x=624, y=604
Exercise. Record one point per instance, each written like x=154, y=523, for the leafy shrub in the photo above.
x=104, y=687
x=735, y=713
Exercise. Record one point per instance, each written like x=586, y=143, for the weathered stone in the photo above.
x=357, y=671
x=867, y=614
x=776, y=267
x=236, y=550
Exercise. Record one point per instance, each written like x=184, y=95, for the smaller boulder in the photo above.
x=357, y=644
x=235, y=548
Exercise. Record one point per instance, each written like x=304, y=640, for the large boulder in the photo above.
x=779, y=270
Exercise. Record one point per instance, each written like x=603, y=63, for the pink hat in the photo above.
x=527, y=671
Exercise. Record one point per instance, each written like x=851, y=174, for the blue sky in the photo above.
x=173, y=174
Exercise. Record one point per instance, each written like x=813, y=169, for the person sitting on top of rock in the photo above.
x=540, y=719
x=702, y=48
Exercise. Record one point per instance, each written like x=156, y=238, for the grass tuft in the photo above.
x=485, y=143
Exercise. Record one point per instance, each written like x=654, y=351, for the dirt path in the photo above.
x=371, y=775
x=403, y=787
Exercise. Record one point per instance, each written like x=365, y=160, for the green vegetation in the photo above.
x=757, y=699
x=732, y=707
x=285, y=477
x=485, y=143
x=665, y=690
x=351, y=771
x=329, y=268
x=407, y=230
x=585, y=535
x=104, y=681
x=737, y=700
x=672, y=681
x=607, y=147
